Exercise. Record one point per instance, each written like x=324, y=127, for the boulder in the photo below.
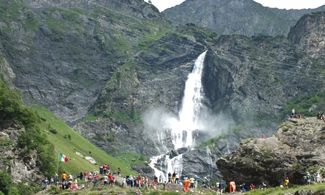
x=297, y=147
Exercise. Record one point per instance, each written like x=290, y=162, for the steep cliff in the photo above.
x=255, y=77
x=64, y=52
x=245, y=17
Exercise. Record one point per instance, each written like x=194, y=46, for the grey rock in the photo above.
x=245, y=17
x=290, y=152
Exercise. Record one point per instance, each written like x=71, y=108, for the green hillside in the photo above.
x=68, y=142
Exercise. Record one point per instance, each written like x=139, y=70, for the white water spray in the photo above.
x=182, y=129
x=182, y=132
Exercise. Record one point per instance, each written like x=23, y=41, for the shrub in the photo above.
x=14, y=191
x=52, y=130
x=5, y=182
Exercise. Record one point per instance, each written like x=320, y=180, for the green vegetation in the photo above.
x=68, y=142
x=32, y=21
x=212, y=141
x=12, y=109
x=70, y=21
x=283, y=191
x=8, y=187
x=133, y=159
x=124, y=117
x=308, y=106
x=10, y=10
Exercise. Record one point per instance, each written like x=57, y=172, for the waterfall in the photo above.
x=182, y=132
x=182, y=129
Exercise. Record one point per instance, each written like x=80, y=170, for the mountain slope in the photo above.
x=245, y=17
x=68, y=142
x=64, y=45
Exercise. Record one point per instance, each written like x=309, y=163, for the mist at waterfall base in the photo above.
x=174, y=134
x=159, y=121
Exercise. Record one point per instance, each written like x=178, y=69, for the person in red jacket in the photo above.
x=232, y=186
x=186, y=184
x=111, y=178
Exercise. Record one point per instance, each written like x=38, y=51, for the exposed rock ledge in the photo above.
x=297, y=147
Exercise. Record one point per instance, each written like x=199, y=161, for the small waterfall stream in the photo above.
x=182, y=129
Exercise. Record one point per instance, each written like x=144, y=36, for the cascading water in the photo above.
x=182, y=129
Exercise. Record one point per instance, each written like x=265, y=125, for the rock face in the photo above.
x=61, y=51
x=245, y=17
x=296, y=147
x=242, y=73
x=309, y=34
x=21, y=166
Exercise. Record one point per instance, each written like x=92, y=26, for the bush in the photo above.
x=14, y=191
x=54, y=131
x=5, y=182
x=28, y=189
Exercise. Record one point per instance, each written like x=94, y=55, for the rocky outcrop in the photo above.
x=22, y=166
x=245, y=17
x=296, y=147
x=309, y=34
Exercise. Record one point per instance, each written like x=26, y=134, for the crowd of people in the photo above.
x=105, y=177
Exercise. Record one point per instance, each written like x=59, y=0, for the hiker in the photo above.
x=74, y=185
x=81, y=175
x=186, y=184
x=108, y=168
x=131, y=180
x=286, y=182
x=118, y=171
x=174, y=177
x=111, y=178
x=147, y=182
x=177, y=179
x=106, y=180
x=293, y=113
x=155, y=182
x=192, y=182
x=104, y=169
x=232, y=186
x=318, y=177
x=45, y=183
x=323, y=117
x=252, y=186
x=64, y=176
x=169, y=177
x=139, y=181
x=319, y=116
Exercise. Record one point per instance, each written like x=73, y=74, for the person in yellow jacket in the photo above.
x=64, y=176
x=286, y=182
